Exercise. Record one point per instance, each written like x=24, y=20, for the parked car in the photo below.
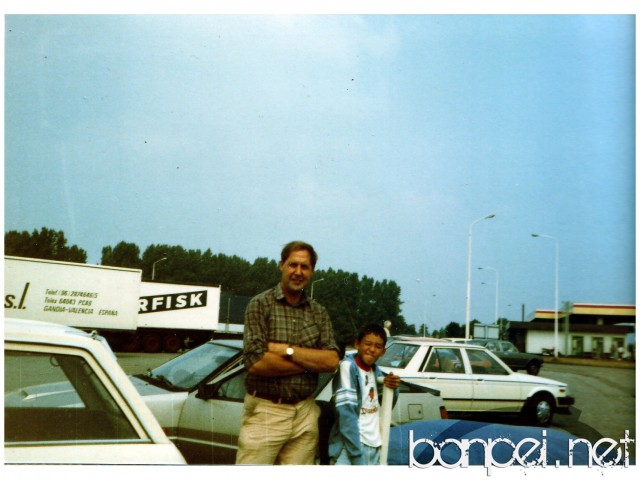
x=473, y=379
x=509, y=354
x=67, y=401
x=198, y=398
x=408, y=446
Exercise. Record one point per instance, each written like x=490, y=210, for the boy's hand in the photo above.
x=392, y=381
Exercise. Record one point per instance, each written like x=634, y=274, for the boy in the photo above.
x=355, y=437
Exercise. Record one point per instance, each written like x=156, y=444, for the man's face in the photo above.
x=296, y=271
x=370, y=348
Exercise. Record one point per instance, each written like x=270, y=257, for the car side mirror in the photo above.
x=207, y=391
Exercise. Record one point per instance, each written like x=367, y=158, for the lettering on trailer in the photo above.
x=174, y=301
x=10, y=300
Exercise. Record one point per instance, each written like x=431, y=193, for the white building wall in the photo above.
x=537, y=341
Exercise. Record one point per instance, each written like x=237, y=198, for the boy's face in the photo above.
x=370, y=348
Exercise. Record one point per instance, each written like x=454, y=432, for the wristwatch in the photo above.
x=289, y=352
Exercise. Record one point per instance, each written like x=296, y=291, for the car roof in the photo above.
x=436, y=342
x=22, y=330
x=407, y=338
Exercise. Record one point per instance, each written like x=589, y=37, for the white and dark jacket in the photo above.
x=347, y=403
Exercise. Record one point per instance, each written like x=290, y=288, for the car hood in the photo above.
x=437, y=431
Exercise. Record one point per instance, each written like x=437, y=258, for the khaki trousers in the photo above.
x=278, y=434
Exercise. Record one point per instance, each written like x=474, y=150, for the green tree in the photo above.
x=351, y=301
x=454, y=330
x=122, y=255
x=47, y=244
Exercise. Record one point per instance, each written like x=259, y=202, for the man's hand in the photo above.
x=310, y=359
x=392, y=381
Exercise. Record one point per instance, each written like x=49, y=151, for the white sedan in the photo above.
x=473, y=379
x=198, y=398
x=67, y=401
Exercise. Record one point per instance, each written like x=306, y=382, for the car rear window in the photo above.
x=398, y=355
x=58, y=398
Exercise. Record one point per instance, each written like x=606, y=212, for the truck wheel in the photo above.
x=172, y=343
x=533, y=368
x=130, y=343
x=151, y=342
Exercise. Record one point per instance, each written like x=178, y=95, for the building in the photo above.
x=588, y=330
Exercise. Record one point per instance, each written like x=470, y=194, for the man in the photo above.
x=288, y=340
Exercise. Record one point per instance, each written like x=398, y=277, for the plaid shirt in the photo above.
x=270, y=318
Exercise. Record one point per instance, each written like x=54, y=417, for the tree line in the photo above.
x=352, y=300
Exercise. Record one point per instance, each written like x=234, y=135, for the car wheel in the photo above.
x=533, y=368
x=541, y=409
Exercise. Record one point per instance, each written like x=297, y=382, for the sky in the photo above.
x=380, y=139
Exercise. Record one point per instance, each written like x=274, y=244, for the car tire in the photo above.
x=533, y=368
x=540, y=409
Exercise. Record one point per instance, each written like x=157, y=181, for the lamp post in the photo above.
x=153, y=268
x=557, y=274
x=313, y=283
x=468, y=315
x=497, y=288
x=424, y=324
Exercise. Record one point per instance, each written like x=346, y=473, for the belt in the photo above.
x=275, y=398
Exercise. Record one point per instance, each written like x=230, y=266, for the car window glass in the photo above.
x=58, y=398
x=444, y=360
x=509, y=348
x=398, y=355
x=233, y=387
x=191, y=368
x=483, y=363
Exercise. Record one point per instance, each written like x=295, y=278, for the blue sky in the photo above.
x=377, y=138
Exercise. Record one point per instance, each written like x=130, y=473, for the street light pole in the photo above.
x=424, y=320
x=497, y=289
x=557, y=275
x=313, y=283
x=153, y=268
x=468, y=314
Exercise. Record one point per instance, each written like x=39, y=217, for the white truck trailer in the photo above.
x=129, y=313
x=172, y=316
x=90, y=297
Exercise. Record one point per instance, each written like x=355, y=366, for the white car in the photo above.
x=198, y=398
x=67, y=401
x=473, y=379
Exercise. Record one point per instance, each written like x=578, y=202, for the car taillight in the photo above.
x=443, y=413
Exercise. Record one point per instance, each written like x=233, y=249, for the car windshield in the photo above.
x=191, y=368
x=398, y=355
x=509, y=348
